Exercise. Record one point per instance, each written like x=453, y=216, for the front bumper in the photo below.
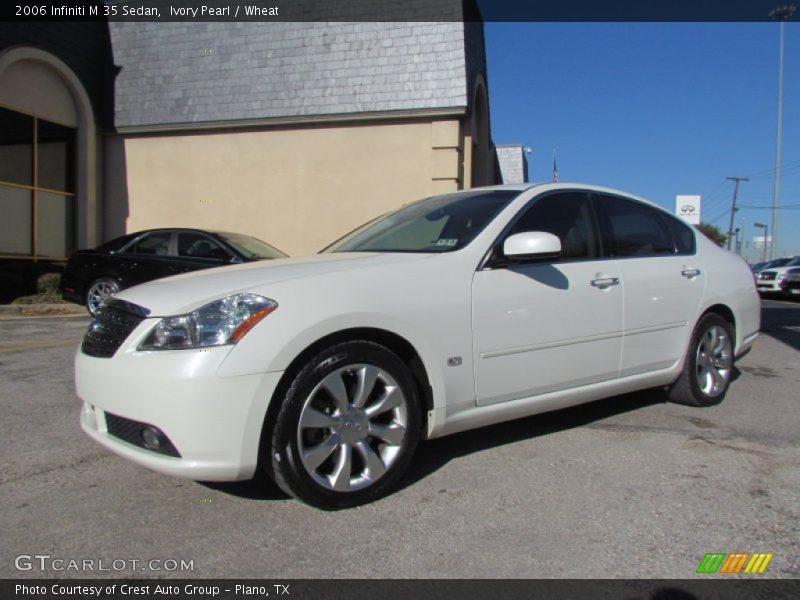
x=768, y=287
x=214, y=422
x=791, y=287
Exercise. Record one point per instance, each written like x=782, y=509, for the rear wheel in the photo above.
x=348, y=427
x=708, y=365
x=99, y=293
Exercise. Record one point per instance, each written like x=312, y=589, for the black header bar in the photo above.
x=396, y=10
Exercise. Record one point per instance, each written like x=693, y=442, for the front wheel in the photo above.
x=708, y=365
x=347, y=428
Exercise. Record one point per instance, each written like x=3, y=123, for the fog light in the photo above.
x=151, y=437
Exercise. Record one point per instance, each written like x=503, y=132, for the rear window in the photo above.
x=116, y=244
x=682, y=235
x=631, y=228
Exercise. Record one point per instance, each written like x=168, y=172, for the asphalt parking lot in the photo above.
x=625, y=487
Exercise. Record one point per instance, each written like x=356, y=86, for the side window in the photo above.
x=682, y=235
x=197, y=245
x=567, y=216
x=631, y=228
x=156, y=244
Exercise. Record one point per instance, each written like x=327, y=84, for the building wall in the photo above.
x=298, y=188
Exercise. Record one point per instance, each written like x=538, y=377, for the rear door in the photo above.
x=662, y=281
x=150, y=257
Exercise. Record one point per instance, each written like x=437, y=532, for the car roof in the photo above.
x=158, y=229
x=567, y=185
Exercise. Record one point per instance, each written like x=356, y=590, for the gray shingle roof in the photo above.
x=513, y=164
x=207, y=72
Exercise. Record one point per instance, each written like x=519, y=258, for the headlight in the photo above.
x=222, y=322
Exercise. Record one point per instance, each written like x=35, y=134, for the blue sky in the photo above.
x=656, y=109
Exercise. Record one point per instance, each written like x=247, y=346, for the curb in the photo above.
x=42, y=310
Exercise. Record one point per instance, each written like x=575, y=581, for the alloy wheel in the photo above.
x=352, y=427
x=99, y=293
x=714, y=361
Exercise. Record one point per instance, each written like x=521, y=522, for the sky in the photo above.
x=656, y=109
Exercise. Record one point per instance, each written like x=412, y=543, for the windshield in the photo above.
x=250, y=247
x=778, y=262
x=437, y=224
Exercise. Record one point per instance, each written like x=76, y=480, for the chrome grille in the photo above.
x=111, y=327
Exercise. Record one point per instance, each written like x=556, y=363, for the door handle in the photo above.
x=690, y=273
x=605, y=282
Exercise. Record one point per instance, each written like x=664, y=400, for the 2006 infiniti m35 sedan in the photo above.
x=451, y=313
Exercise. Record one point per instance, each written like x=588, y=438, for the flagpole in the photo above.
x=555, y=167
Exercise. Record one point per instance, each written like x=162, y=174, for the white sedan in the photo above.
x=454, y=312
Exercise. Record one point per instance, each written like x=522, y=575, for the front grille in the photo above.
x=767, y=276
x=110, y=327
x=130, y=431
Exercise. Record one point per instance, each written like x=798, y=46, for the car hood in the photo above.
x=183, y=293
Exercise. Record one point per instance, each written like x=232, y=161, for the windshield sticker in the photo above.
x=447, y=242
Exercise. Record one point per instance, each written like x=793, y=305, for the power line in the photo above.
x=769, y=207
x=792, y=164
x=722, y=214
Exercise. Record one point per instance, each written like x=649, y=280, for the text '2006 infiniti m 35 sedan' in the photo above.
x=454, y=312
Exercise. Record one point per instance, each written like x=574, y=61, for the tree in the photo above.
x=713, y=233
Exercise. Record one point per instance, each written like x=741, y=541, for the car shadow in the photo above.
x=261, y=487
x=782, y=323
x=434, y=454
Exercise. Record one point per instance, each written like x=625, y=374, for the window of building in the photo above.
x=37, y=187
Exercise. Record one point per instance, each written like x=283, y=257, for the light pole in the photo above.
x=766, y=237
x=782, y=14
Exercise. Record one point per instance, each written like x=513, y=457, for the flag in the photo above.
x=555, y=169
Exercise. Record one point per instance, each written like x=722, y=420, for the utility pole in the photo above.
x=733, y=205
x=782, y=14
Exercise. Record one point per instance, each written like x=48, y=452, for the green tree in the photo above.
x=713, y=233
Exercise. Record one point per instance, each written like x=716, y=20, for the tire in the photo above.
x=347, y=428
x=708, y=365
x=98, y=293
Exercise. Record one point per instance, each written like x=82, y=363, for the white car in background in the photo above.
x=455, y=312
x=768, y=280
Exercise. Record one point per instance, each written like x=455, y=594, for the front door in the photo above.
x=547, y=326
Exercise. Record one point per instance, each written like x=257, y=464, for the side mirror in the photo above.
x=532, y=244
